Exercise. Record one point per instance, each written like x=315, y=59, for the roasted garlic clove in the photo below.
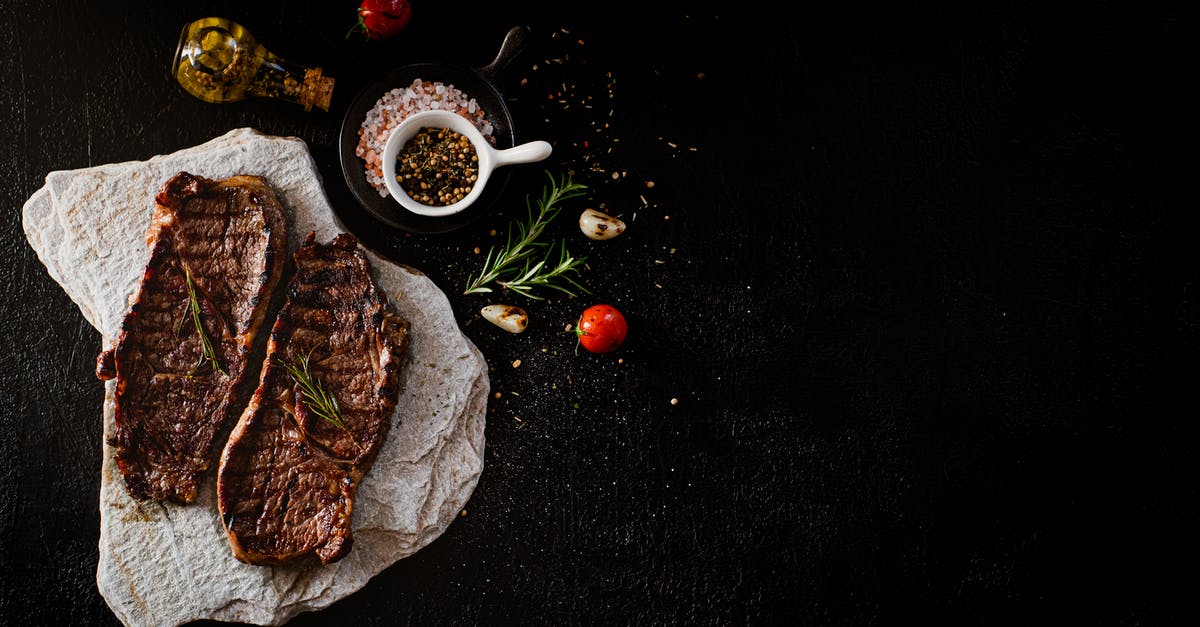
x=508, y=317
x=598, y=225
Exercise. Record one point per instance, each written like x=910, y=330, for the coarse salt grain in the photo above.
x=391, y=109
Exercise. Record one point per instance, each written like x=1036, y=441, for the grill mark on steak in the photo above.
x=231, y=236
x=287, y=479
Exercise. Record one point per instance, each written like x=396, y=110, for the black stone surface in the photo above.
x=924, y=282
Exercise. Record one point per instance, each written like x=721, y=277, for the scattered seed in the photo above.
x=516, y=363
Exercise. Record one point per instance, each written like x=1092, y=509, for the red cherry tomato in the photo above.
x=601, y=328
x=382, y=19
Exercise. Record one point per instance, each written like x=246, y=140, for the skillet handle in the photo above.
x=513, y=42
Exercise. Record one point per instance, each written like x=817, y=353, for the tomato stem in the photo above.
x=579, y=333
x=361, y=25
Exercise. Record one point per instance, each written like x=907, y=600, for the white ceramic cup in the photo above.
x=489, y=158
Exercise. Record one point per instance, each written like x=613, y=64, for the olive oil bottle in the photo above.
x=218, y=60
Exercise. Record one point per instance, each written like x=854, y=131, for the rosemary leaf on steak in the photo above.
x=318, y=399
x=207, y=352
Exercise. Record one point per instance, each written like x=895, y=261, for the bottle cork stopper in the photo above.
x=317, y=90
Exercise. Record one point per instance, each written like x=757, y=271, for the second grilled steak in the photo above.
x=216, y=253
x=324, y=405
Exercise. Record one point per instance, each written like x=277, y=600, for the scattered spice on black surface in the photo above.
x=437, y=167
x=581, y=101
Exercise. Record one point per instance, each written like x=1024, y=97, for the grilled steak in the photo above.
x=216, y=253
x=324, y=404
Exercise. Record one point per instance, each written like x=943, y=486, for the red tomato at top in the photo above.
x=381, y=19
x=601, y=328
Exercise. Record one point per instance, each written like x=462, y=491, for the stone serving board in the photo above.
x=166, y=564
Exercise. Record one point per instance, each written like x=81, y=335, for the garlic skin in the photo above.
x=508, y=317
x=599, y=226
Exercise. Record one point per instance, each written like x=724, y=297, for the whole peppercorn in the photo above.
x=437, y=166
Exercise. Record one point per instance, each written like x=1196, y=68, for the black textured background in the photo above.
x=924, y=282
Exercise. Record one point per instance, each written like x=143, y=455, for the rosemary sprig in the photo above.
x=542, y=274
x=320, y=401
x=522, y=244
x=207, y=352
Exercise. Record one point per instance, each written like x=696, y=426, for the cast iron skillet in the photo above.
x=478, y=83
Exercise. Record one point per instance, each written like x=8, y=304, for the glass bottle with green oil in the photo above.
x=218, y=60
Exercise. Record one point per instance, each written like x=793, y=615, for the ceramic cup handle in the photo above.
x=523, y=153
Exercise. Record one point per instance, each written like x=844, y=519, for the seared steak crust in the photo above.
x=286, y=484
x=231, y=237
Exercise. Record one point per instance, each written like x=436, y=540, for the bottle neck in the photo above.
x=282, y=79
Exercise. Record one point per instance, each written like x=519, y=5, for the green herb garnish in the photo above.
x=207, y=352
x=321, y=402
x=541, y=274
x=513, y=265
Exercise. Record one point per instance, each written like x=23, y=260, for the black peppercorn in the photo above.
x=439, y=162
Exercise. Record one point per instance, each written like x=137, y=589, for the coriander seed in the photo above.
x=437, y=167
